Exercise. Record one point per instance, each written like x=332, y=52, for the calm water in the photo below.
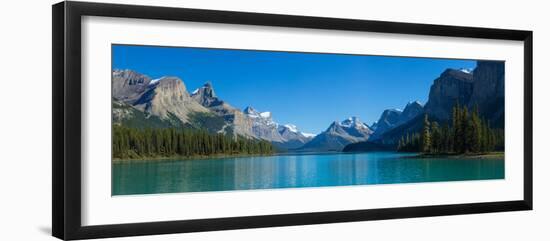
x=242, y=173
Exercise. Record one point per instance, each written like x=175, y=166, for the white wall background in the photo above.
x=25, y=178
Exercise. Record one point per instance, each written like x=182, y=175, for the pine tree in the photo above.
x=476, y=132
x=426, y=138
x=457, y=130
x=436, y=138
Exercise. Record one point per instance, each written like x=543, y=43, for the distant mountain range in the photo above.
x=139, y=101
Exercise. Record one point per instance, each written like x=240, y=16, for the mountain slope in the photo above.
x=482, y=88
x=236, y=122
x=392, y=118
x=126, y=115
x=292, y=137
x=488, y=91
x=338, y=135
x=168, y=96
x=451, y=87
x=249, y=122
x=128, y=85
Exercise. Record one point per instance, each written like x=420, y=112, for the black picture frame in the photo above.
x=66, y=157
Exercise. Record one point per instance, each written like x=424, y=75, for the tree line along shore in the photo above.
x=467, y=134
x=134, y=143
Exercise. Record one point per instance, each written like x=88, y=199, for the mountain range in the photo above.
x=481, y=88
x=139, y=101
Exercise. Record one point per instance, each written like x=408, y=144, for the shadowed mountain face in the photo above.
x=394, y=117
x=451, y=87
x=488, y=91
x=128, y=85
x=482, y=88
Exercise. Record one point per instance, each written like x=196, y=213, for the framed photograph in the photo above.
x=171, y=120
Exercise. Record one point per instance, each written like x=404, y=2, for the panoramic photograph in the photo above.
x=188, y=119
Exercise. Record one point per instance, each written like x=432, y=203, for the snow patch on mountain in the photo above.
x=291, y=127
x=156, y=80
x=467, y=70
x=353, y=122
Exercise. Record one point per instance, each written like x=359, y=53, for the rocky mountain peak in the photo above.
x=456, y=74
x=413, y=104
x=353, y=122
x=128, y=85
x=290, y=127
x=389, y=116
x=250, y=111
x=339, y=134
x=170, y=83
x=394, y=117
x=253, y=113
x=206, y=90
x=168, y=97
x=132, y=77
x=206, y=96
x=412, y=109
x=451, y=86
x=467, y=70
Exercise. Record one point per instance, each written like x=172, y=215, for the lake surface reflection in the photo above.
x=300, y=170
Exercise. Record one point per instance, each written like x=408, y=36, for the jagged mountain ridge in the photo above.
x=482, y=88
x=283, y=136
x=165, y=101
x=392, y=118
x=237, y=122
x=338, y=135
x=168, y=96
x=128, y=85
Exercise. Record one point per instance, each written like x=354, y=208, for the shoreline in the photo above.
x=183, y=158
x=490, y=155
x=202, y=157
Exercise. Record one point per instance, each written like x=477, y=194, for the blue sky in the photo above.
x=306, y=89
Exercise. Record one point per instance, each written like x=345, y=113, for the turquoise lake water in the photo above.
x=290, y=171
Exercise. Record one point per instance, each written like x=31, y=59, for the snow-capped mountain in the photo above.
x=206, y=97
x=260, y=118
x=263, y=126
x=467, y=70
x=293, y=137
x=338, y=135
x=283, y=136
